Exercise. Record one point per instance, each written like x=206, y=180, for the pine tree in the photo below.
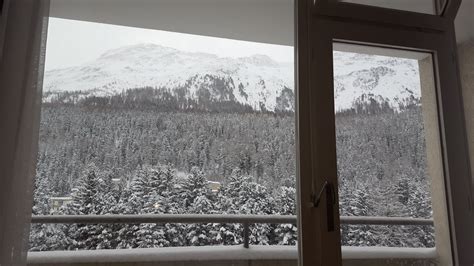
x=156, y=202
x=243, y=196
x=286, y=234
x=41, y=195
x=198, y=198
x=403, y=190
x=45, y=237
x=126, y=234
x=89, y=199
x=358, y=205
x=108, y=195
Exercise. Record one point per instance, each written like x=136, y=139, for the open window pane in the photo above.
x=389, y=162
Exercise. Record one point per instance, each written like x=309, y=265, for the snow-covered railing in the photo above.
x=245, y=220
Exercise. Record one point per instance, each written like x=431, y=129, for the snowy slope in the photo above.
x=359, y=78
x=257, y=81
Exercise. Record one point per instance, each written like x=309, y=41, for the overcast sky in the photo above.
x=73, y=42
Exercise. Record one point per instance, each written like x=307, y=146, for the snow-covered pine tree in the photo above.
x=286, y=234
x=125, y=235
x=89, y=199
x=41, y=195
x=174, y=233
x=403, y=189
x=226, y=234
x=45, y=237
x=108, y=193
x=132, y=201
x=243, y=196
x=139, y=190
x=357, y=204
x=386, y=201
x=197, y=198
x=156, y=202
x=419, y=206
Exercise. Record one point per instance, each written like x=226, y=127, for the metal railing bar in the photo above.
x=164, y=218
x=246, y=235
x=375, y=220
x=215, y=218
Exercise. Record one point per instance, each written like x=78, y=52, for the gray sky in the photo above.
x=73, y=42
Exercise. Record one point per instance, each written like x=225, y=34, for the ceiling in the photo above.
x=267, y=21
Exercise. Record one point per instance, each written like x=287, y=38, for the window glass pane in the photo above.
x=388, y=151
x=138, y=121
x=434, y=7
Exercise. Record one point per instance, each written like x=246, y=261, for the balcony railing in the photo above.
x=245, y=220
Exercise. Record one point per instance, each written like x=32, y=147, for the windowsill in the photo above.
x=218, y=253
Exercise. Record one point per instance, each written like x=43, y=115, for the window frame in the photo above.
x=388, y=16
x=317, y=29
x=3, y=23
x=435, y=33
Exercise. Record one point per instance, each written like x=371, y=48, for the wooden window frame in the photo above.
x=318, y=25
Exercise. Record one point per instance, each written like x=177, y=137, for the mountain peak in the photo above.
x=138, y=48
x=259, y=60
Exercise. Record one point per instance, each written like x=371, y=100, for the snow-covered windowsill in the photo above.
x=221, y=253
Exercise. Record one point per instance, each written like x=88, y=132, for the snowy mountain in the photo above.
x=360, y=79
x=256, y=81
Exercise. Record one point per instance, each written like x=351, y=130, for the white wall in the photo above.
x=464, y=22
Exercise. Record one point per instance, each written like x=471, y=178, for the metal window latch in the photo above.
x=327, y=187
x=316, y=198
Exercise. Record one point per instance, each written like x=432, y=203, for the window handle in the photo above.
x=317, y=197
x=327, y=187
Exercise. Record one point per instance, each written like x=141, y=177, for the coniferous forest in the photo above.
x=134, y=160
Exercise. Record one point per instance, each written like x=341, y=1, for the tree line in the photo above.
x=164, y=160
